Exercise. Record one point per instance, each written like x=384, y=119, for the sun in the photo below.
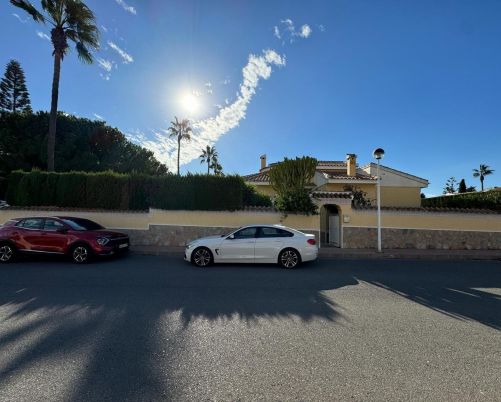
x=190, y=103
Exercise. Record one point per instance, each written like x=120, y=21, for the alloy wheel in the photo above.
x=80, y=254
x=289, y=259
x=202, y=257
x=6, y=253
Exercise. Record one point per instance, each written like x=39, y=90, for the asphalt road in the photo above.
x=156, y=328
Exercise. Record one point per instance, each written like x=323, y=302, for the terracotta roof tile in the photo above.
x=331, y=194
x=261, y=177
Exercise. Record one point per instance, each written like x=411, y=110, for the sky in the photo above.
x=420, y=79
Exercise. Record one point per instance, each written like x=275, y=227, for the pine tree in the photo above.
x=14, y=96
x=462, y=186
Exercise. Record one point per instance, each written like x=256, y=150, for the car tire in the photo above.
x=80, y=254
x=202, y=257
x=289, y=258
x=7, y=253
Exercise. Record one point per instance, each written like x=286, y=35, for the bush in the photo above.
x=481, y=200
x=254, y=199
x=109, y=190
x=296, y=202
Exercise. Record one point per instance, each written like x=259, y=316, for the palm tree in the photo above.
x=217, y=168
x=181, y=130
x=483, y=171
x=209, y=156
x=71, y=20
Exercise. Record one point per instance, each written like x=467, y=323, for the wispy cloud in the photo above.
x=98, y=117
x=105, y=76
x=321, y=28
x=20, y=19
x=208, y=131
x=106, y=65
x=127, y=58
x=104, y=28
x=42, y=35
x=287, y=32
x=126, y=7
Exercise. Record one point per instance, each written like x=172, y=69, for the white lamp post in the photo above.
x=378, y=155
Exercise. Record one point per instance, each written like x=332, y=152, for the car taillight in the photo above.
x=311, y=241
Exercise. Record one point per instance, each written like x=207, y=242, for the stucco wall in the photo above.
x=400, y=197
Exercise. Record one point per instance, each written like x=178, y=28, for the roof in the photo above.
x=396, y=171
x=263, y=176
x=331, y=194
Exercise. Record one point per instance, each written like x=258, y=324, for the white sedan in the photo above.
x=254, y=244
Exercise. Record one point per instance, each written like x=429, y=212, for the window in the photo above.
x=52, y=225
x=267, y=231
x=81, y=224
x=31, y=223
x=247, y=233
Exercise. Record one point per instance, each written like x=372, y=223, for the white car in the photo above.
x=254, y=244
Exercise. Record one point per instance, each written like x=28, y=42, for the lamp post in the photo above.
x=378, y=154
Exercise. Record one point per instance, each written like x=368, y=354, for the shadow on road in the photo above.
x=117, y=309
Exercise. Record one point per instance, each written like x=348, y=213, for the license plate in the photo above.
x=124, y=245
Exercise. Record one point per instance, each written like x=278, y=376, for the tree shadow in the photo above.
x=463, y=290
x=123, y=312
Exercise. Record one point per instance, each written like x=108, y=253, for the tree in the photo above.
x=450, y=186
x=181, y=130
x=483, y=171
x=73, y=21
x=209, y=156
x=462, y=186
x=290, y=179
x=217, y=168
x=14, y=96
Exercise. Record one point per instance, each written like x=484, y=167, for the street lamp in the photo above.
x=378, y=154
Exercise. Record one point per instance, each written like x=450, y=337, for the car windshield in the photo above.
x=82, y=224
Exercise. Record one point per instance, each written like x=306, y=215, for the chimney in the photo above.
x=351, y=165
x=263, y=161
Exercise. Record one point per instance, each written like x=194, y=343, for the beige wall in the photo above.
x=400, y=197
x=265, y=189
x=125, y=220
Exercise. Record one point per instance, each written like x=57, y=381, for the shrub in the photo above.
x=298, y=201
x=481, y=200
x=254, y=199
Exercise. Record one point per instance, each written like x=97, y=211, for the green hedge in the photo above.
x=109, y=190
x=478, y=200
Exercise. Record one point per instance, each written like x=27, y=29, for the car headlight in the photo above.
x=102, y=241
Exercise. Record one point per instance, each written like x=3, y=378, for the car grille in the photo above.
x=116, y=241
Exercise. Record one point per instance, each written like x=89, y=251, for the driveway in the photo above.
x=156, y=328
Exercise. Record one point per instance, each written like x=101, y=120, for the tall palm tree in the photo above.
x=71, y=20
x=483, y=171
x=217, y=168
x=182, y=131
x=209, y=156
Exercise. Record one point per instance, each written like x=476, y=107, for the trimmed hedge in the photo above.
x=109, y=190
x=478, y=200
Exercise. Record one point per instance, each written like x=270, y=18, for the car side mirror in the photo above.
x=231, y=237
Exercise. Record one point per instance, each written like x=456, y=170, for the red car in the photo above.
x=78, y=238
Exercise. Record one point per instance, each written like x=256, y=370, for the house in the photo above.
x=333, y=184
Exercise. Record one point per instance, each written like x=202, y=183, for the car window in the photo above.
x=246, y=233
x=31, y=223
x=267, y=231
x=52, y=225
x=81, y=224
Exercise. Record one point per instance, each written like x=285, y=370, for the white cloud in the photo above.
x=105, y=77
x=287, y=32
x=19, y=18
x=42, y=35
x=305, y=31
x=98, y=117
x=226, y=81
x=127, y=58
x=126, y=7
x=106, y=65
x=321, y=28
x=104, y=28
x=208, y=131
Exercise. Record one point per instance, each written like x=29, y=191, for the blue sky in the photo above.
x=422, y=79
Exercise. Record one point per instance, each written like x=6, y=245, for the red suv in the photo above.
x=76, y=237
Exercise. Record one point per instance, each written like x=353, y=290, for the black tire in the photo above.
x=80, y=254
x=7, y=253
x=202, y=257
x=289, y=258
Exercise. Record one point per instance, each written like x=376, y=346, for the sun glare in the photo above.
x=190, y=103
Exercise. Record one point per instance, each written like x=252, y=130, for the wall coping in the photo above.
x=425, y=210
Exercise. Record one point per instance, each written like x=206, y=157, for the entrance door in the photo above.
x=334, y=230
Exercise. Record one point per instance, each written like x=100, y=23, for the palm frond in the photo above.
x=30, y=9
x=83, y=53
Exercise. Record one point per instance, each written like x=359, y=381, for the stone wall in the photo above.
x=359, y=237
x=176, y=235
